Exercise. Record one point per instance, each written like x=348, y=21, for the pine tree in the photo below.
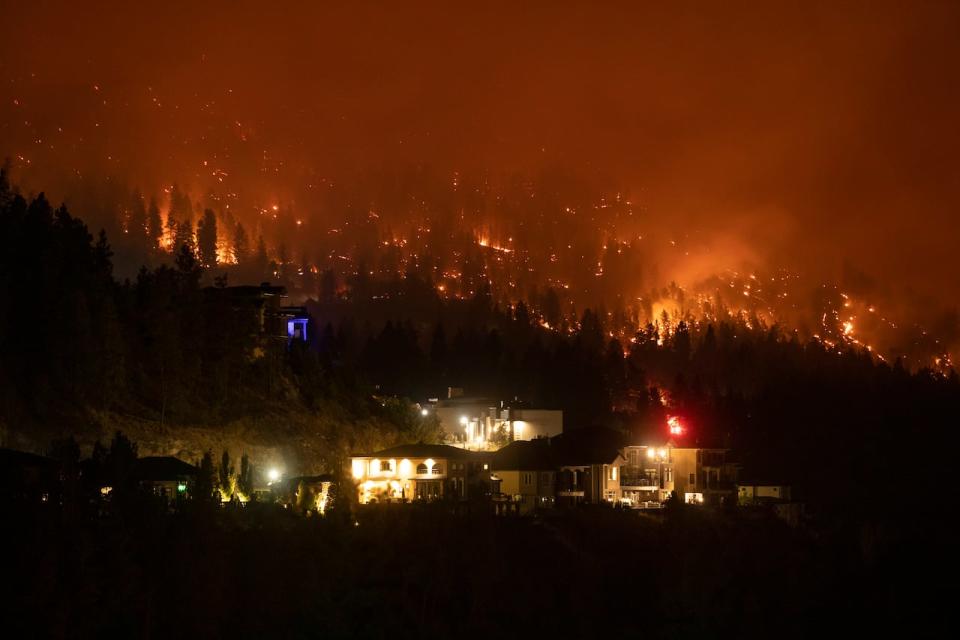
x=207, y=239
x=184, y=237
x=226, y=477
x=261, y=260
x=241, y=244
x=203, y=486
x=154, y=224
x=245, y=478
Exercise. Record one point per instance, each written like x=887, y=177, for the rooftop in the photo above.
x=161, y=468
x=420, y=450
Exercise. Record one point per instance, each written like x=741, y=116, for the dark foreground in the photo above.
x=423, y=572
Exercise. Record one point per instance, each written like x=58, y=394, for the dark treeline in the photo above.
x=162, y=347
x=833, y=422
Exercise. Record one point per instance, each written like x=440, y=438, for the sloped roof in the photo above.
x=421, y=450
x=525, y=455
x=160, y=468
x=586, y=446
x=23, y=459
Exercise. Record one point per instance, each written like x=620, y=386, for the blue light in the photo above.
x=297, y=329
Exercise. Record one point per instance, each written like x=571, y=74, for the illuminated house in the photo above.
x=486, y=424
x=588, y=466
x=703, y=475
x=527, y=474
x=424, y=472
x=646, y=478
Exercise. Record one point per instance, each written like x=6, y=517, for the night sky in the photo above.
x=810, y=136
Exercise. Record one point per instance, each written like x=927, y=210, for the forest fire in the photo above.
x=439, y=319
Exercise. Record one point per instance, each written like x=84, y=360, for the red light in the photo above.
x=676, y=428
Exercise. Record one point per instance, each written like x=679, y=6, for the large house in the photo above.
x=527, y=474
x=646, y=477
x=588, y=466
x=422, y=472
x=486, y=423
x=697, y=475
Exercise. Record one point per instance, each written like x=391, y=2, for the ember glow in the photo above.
x=776, y=171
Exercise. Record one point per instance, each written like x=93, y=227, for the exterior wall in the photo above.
x=685, y=468
x=749, y=494
x=704, y=472
x=405, y=480
x=532, y=489
x=590, y=484
x=484, y=418
x=401, y=480
x=647, y=475
x=450, y=416
x=528, y=424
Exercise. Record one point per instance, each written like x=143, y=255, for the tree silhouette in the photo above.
x=207, y=239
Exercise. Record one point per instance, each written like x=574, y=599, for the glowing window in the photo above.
x=422, y=469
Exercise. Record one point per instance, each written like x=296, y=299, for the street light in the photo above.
x=273, y=475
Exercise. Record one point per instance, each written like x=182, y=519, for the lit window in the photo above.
x=422, y=469
x=357, y=468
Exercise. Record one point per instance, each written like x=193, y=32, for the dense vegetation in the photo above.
x=843, y=428
x=76, y=340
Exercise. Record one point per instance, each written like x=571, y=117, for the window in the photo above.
x=693, y=478
x=386, y=466
x=438, y=468
x=422, y=469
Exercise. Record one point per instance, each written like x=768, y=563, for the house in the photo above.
x=646, y=477
x=588, y=466
x=487, y=424
x=698, y=475
x=703, y=475
x=422, y=472
x=262, y=304
x=527, y=474
x=164, y=476
x=759, y=492
x=28, y=477
x=775, y=496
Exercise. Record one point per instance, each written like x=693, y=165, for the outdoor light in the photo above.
x=273, y=475
x=463, y=420
x=424, y=412
x=357, y=468
x=181, y=487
